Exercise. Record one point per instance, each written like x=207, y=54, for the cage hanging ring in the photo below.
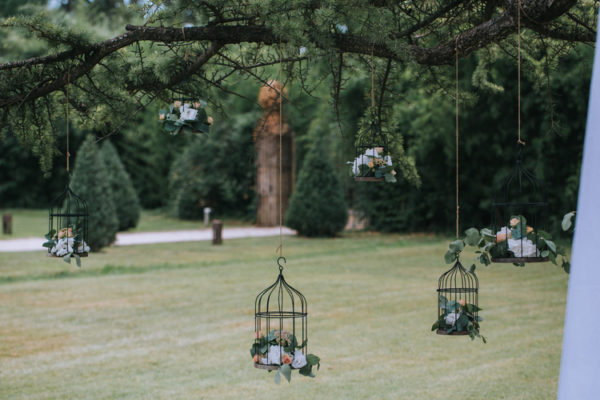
x=278, y=263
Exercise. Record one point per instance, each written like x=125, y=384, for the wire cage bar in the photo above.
x=458, y=301
x=68, y=222
x=371, y=152
x=518, y=216
x=280, y=324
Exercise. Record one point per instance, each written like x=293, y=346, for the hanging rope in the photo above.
x=372, y=80
x=456, y=125
x=67, y=112
x=280, y=151
x=519, y=141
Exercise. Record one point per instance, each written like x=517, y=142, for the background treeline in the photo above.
x=185, y=174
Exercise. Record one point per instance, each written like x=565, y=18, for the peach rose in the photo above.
x=500, y=237
x=379, y=150
x=210, y=120
x=256, y=359
x=462, y=302
x=370, y=164
x=287, y=359
x=197, y=104
x=529, y=229
x=514, y=222
x=70, y=232
x=177, y=103
x=161, y=117
x=393, y=172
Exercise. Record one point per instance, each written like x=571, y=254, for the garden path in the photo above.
x=135, y=238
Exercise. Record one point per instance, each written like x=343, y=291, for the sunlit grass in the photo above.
x=176, y=321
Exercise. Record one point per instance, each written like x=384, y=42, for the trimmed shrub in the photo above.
x=125, y=198
x=216, y=171
x=90, y=181
x=317, y=207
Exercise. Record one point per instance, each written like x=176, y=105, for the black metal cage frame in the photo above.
x=68, y=210
x=375, y=139
x=520, y=193
x=456, y=284
x=280, y=307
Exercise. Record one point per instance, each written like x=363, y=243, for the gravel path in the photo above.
x=129, y=239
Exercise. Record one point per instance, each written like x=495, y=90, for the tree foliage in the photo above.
x=112, y=77
x=216, y=171
x=90, y=181
x=553, y=128
x=124, y=196
x=317, y=206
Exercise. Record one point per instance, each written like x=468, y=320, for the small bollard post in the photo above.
x=7, y=224
x=207, y=211
x=217, y=231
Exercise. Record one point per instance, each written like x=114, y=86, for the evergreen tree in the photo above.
x=216, y=171
x=90, y=181
x=125, y=198
x=317, y=207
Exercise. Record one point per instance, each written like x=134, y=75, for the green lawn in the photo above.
x=175, y=321
x=34, y=223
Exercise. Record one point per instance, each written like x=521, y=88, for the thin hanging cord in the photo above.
x=457, y=203
x=280, y=152
x=67, y=112
x=372, y=80
x=519, y=71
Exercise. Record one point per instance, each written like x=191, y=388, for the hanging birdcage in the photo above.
x=458, y=292
x=372, y=159
x=185, y=114
x=518, y=213
x=68, y=226
x=281, y=326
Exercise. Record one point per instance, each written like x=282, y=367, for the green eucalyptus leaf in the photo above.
x=450, y=256
x=77, y=260
x=473, y=237
x=567, y=221
x=484, y=258
x=306, y=371
x=312, y=359
x=277, y=377
x=457, y=246
x=67, y=258
x=545, y=253
x=487, y=234
x=286, y=371
x=551, y=245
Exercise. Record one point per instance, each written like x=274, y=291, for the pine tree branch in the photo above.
x=538, y=14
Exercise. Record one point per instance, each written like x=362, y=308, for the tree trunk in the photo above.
x=267, y=181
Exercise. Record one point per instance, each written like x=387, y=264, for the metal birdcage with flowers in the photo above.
x=458, y=302
x=185, y=114
x=68, y=227
x=372, y=162
x=518, y=215
x=281, y=330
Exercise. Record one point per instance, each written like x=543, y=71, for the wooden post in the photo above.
x=7, y=224
x=217, y=231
